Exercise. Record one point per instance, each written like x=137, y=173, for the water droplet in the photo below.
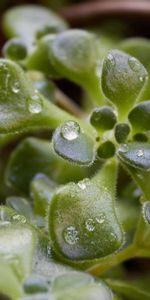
x=19, y=219
x=34, y=104
x=124, y=148
x=134, y=64
x=70, y=130
x=71, y=235
x=140, y=153
x=90, y=225
x=82, y=185
x=146, y=212
x=15, y=88
x=110, y=60
x=100, y=219
x=141, y=78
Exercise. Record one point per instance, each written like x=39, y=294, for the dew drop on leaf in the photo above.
x=15, y=88
x=140, y=153
x=100, y=219
x=90, y=224
x=146, y=212
x=82, y=185
x=34, y=104
x=134, y=64
x=71, y=235
x=124, y=148
x=70, y=130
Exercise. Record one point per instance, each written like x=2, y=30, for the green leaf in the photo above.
x=83, y=224
x=26, y=21
x=123, y=79
x=21, y=106
x=103, y=118
x=9, y=284
x=71, y=143
x=17, y=246
x=139, y=48
x=20, y=205
x=35, y=284
x=42, y=190
x=39, y=58
x=128, y=289
x=122, y=131
x=15, y=49
x=140, y=112
x=35, y=156
x=136, y=155
x=106, y=150
x=75, y=54
x=79, y=286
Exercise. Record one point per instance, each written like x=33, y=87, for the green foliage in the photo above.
x=70, y=142
x=66, y=201
x=26, y=21
x=82, y=220
x=103, y=118
x=15, y=49
x=123, y=78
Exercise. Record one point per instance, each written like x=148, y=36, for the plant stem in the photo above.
x=109, y=262
x=66, y=103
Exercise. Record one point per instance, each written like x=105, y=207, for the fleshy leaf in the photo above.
x=139, y=117
x=20, y=205
x=122, y=131
x=106, y=150
x=21, y=106
x=82, y=220
x=38, y=157
x=79, y=286
x=26, y=21
x=17, y=245
x=39, y=57
x=35, y=284
x=9, y=284
x=103, y=118
x=15, y=49
x=74, y=145
x=42, y=190
x=130, y=289
x=123, y=79
x=136, y=155
x=75, y=54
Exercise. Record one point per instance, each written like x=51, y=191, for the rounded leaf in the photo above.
x=72, y=144
x=106, y=150
x=123, y=78
x=79, y=286
x=9, y=283
x=17, y=247
x=122, y=131
x=25, y=21
x=103, y=118
x=139, y=117
x=82, y=221
x=42, y=190
x=21, y=105
x=35, y=156
x=15, y=49
x=75, y=54
x=135, y=154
